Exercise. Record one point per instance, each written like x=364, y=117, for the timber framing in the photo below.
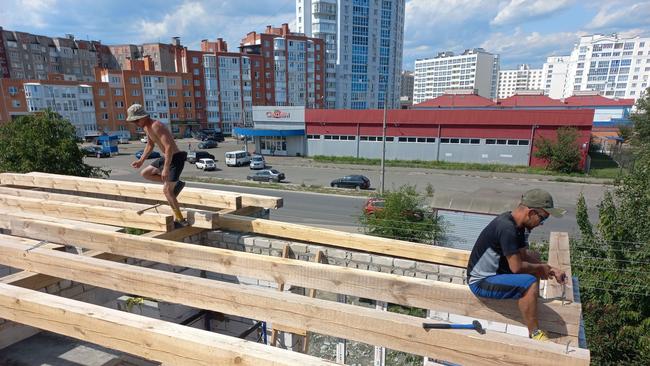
x=36, y=202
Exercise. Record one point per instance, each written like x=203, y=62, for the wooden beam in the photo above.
x=153, y=339
x=103, y=215
x=197, y=218
x=408, y=291
x=373, y=244
x=559, y=256
x=192, y=196
x=391, y=330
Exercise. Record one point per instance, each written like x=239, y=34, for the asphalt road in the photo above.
x=342, y=212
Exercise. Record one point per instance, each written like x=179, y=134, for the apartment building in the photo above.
x=406, y=89
x=617, y=67
x=293, y=67
x=73, y=100
x=520, y=79
x=554, y=73
x=28, y=56
x=473, y=69
x=318, y=19
x=366, y=40
x=165, y=57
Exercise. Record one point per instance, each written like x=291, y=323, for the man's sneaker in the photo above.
x=178, y=187
x=539, y=335
x=181, y=224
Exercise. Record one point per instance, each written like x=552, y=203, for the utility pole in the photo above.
x=383, y=146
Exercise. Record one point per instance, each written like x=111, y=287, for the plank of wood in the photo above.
x=391, y=330
x=103, y=215
x=138, y=335
x=373, y=244
x=193, y=196
x=559, y=256
x=6, y=214
x=282, y=327
x=197, y=218
x=407, y=291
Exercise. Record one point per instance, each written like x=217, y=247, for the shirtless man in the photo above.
x=166, y=169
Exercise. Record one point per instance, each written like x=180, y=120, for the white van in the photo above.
x=237, y=158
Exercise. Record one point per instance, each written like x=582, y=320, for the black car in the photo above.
x=208, y=144
x=267, y=175
x=194, y=156
x=352, y=181
x=95, y=151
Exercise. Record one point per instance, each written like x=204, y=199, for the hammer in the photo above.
x=475, y=325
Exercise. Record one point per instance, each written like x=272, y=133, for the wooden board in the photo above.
x=395, y=331
x=102, y=215
x=407, y=291
x=153, y=339
x=372, y=244
x=193, y=196
x=196, y=218
x=559, y=256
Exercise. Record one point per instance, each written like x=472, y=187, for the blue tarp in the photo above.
x=256, y=132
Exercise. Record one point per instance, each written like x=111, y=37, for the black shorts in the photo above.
x=175, y=168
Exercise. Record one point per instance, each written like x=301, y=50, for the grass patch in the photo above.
x=282, y=186
x=603, y=166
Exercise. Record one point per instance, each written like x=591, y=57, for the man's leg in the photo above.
x=151, y=173
x=528, y=307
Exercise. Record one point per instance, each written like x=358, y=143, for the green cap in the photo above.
x=539, y=198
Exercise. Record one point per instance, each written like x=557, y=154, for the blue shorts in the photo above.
x=503, y=286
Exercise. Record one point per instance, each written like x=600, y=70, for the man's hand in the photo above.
x=165, y=174
x=545, y=271
x=137, y=164
x=560, y=275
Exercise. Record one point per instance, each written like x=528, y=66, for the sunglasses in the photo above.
x=541, y=216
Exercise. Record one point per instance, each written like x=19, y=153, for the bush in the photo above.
x=563, y=154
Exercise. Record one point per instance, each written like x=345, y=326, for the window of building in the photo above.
x=135, y=92
x=134, y=80
x=196, y=71
x=501, y=142
x=490, y=141
x=15, y=103
x=118, y=92
x=120, y=116
x=195, y=60
x=105, y=116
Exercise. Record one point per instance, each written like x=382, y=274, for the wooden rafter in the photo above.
x=408, y=291
x=154, y=339
x=395, y=331
x=373, y=244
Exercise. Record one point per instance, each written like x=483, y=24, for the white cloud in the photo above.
x=517, y=11
x=522, y=47
x=189, y=13
x=36, y=13
x=621, y=14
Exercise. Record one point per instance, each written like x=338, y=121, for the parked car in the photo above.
x=208, y=144
x=144, y=139
x=352, y=181
x=257, y=162
x=194, y=156
x=267, y=175
x=373, y=205
x=123, y=140
x=95, y=151
x=206, y=164
x=152, y=155
x=237, y=158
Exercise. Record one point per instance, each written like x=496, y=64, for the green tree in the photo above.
x=43, y=142
x=612, y=261
x=625, y=132
x=404, y=217
x=641, y=120
x=563, y=153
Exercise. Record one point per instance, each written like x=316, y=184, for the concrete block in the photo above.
x=53, y=289
x=458, y=280
x=374, y=268
x=247, y=280
x=494, y=326
x=408, y=273
x=361, y=266
x=337, y=253
x=404, y=263
x=247, y=240
x=215, y=236
x=460, y=319
x=274, y=252
x=421, y=275
x=438, y=315
x=299, y=248
x=382, y=261
x=262, y=242
x=268, y=284
x=432, y=276
x=361, y=257
x=397, y=271
x=385, y=269
x=230, y=237
x=444, y=278
x=427, y=267
x=451, y=271
x=517, y=330
x=279, y=244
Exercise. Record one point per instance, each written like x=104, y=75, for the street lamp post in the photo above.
x=383, y=147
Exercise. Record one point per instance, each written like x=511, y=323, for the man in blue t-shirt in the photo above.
x=502, y=267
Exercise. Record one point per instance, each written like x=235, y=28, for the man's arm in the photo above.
x=540, y=270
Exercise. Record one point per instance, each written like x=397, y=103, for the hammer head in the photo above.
x=479, y=328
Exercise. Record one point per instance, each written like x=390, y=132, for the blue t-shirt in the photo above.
x=500, y=239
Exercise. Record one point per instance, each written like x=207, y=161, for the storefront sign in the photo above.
x=278, y=114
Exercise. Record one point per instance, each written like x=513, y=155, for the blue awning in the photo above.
x=256, y=132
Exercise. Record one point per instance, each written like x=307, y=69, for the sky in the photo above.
x=521, y=31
